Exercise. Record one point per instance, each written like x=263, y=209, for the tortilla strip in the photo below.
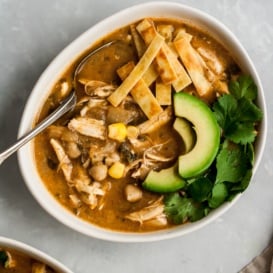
x=166, y=31
x=147, y=30
x=125, y=70
x=169, y=68
x=141, y=93
x=163, y=93
x=173, y=50
x=165, y=69
x=145, y=99
x=181, y=33
x=150, y=75
x=194, y=65
x=183, y=78
x=220, y=86
x=156, y=121
x=122, y=91
x=138, y=42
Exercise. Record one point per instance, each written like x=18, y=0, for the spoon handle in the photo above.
x=67, y=104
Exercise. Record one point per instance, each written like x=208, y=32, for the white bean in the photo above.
x=98, y=172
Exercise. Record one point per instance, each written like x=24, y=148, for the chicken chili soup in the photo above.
x=13, y=261
x=162, y=133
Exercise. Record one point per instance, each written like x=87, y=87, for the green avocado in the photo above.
x=164, y=181
x=185, y=130
x=207, y=132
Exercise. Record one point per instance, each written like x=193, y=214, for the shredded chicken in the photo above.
x=97, y=102
x=142, y=171
x=104, y=153
x=158, y=221
x=90, y=191
x=92, y=103
x=82, y=101
x=80, y=180
x=75, y=200
x=153, y=154
x=212, y=60
x=140, y=144
x=65, y=162
x=152, y=212
x=98, y=89
x=62, y=133
x=149, y=156
x=152, y=158
x=88, y=127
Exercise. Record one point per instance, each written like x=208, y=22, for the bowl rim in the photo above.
x=56, y=68
x=34, y=253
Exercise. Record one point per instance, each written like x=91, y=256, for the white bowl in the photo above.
x=33, y=253
x=71, y=52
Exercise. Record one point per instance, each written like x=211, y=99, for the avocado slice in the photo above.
x=185, y=130
x=164, y=181
x=207, y=134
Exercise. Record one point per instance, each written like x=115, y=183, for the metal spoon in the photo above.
x=66, y=105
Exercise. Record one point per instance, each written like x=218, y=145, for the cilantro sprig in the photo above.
x=231, y=163
x=230, y=173
x=237, y=113
x=182, y=209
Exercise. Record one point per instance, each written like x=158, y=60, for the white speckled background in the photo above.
x=32, y=33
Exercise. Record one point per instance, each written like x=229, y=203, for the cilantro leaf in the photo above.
x=242, y=132
x=250, y=153
x=244, y=183
x=225, y=111
x=219, y=195
x=236, y=113
x=180, y=209
x=231, y=163
x=200, y=189
x=248, y=111
x=3, y=257
x=244, y=86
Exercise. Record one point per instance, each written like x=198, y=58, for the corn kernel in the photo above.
x=116, y=170
x=132, y=131
x=117, y=131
